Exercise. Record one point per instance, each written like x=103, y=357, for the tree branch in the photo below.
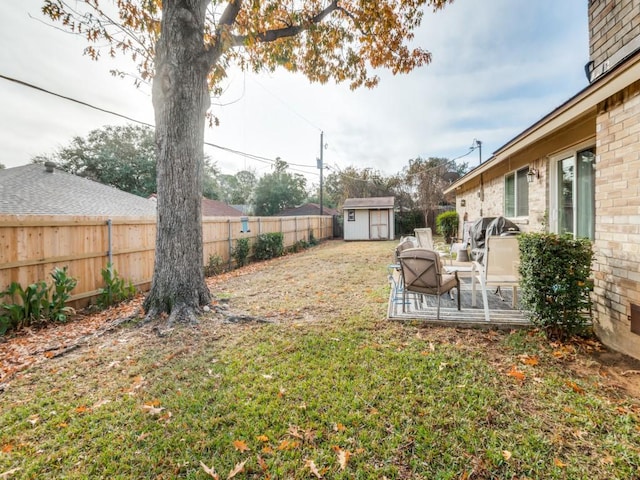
x=291, y=31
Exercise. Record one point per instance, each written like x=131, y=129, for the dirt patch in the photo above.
x=615, y=369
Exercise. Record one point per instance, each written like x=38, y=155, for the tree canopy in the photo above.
x=123, y=157
x=279, y=190
x=187, y=46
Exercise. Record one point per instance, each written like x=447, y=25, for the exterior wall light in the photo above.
x=531, y=174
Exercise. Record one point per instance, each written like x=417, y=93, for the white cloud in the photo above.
x=497, y=67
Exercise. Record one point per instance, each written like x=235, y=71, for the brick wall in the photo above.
x=617, y=244
x=614, y=32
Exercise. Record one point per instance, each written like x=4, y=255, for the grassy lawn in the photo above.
x=325, y=388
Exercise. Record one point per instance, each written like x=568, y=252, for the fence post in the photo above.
x=110, y=251
x=230, y=243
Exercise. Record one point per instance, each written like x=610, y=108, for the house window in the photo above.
x=516, y=194
x=575, y=194
x=351, y=215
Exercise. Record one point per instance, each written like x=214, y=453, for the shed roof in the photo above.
x=32, y=190
x=368, y=203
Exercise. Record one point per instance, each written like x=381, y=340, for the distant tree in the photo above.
x=187, y=47
x=279, y=190
x=237, y=189
x=120, y=156
x=210, y=183
x=354, y=183
x=427, y=179
x=2, y=167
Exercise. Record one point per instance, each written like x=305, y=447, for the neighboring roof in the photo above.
x=307, y=209
x=215, y=208
x=371, y=202
x=577, y=106
x=244, y=209
x=32, y=190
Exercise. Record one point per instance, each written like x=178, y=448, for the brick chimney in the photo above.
x=614, y=34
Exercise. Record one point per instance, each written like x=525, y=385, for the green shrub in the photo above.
x=115, y=289
x=37, y=302
x=555, y=281
x=214, y=267
x=60, y=294
x=269, y=245
x=447, y=224
x=312, y=239
x=241, y=252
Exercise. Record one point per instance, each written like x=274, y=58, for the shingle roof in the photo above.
x=30, y=189
x=307, y=209
x=214, y=208
x=371, y=202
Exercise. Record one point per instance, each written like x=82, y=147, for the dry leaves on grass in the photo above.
x=31, y=346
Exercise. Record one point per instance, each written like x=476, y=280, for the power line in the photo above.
x=140, y=122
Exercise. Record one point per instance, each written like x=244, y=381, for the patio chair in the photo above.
x=499, y=269
x=422, y=272
x=425, y=240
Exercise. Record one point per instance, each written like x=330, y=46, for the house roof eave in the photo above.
x=577, y=106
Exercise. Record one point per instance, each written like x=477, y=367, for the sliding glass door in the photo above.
x=575, y=194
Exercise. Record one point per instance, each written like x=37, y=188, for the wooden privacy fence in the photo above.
x=31, y=246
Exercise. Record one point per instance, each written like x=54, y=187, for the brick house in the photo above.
x=577, y=170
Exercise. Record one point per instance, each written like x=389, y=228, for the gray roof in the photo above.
x=31, y=190
x=371, y=202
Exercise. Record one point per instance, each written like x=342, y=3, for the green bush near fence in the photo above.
x=241, y=252
x=115, y=289
x=556, y=282
x=36, y=303
x=269, y=245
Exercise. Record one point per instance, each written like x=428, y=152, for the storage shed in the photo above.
x=369, y=218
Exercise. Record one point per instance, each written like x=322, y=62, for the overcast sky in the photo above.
x=498, y=66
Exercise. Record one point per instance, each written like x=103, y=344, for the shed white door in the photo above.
x=379, y=224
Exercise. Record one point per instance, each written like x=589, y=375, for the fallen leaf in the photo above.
x=239, y=468
x=240, y=446
x=314, y=470
x=575, y=387
x=288, y=445
x=338, y=427
x=63, y=425
x=558, y=463
x=506, y=454
x=515, y=373
x=82, y=409
x=33, y=419
x=8, y=473
x=267, y=450
x=531, y=361
x=343, y=458
x=262, y=438
x=262, y=463
x=100, y=403
x=6, y=448
x=151, y=410
x=209, y=471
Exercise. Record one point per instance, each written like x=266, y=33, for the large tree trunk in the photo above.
x=180, y=100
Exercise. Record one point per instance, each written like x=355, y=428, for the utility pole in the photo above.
x=478, y=144
x=320, y=166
